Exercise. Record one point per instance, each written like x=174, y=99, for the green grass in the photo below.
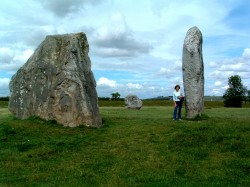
x=208, y=104
x=133, y=148
x=4, y=104
x=119, y=103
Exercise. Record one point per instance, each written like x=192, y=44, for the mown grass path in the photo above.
x=133, y=148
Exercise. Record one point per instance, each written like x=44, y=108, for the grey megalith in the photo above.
x=56, y=83
x=193, y=73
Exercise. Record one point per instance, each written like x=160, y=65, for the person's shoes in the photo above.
x=174, y=119
x=179, y=119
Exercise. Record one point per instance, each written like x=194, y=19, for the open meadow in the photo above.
x=133, y=148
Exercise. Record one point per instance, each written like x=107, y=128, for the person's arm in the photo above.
x=174, y=99
x=181, y=96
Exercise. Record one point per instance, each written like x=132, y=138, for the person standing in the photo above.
x=177, y=98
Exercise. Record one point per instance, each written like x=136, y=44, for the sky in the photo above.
x=135, y=45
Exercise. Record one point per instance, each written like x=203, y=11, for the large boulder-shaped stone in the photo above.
x=193, y=73
x=132, y=102
x=56, y=83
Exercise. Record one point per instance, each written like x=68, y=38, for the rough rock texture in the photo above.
x=132, y=102
x=57, y=83
x=193, y=73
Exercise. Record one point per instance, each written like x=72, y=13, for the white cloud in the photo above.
x=218, y=83
x=37, y=35
x=246, y=53
x=106, y=86
x=177, y=65
x=220, y=75
x=233, y=67
x=12, y=59
x=24, y=56
x=215, y=91
x=63, y=8
x=118, y=40
x=229, y=67
x=225, y=87
x=171, y=71
x=106, y=82
x=134, y=86
x=4, y=86
x=164, y=71
x=5, y=55
x=4, y=82
x=213, y=64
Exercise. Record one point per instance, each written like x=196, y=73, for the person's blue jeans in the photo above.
x=177, y=110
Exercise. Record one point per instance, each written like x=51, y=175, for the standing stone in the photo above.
x=193, y=73
x=56, y=83
x=133, y=102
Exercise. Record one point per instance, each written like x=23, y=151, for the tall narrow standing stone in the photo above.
x=193, y=73
x=57, y=83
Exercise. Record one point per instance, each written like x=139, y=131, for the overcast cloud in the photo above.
x=135, y=46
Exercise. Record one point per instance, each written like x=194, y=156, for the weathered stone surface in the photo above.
x=193, y=73
x=57, y=83
x=132, y=102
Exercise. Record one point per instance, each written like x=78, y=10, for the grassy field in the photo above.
x=208, y=104
x=133, y=148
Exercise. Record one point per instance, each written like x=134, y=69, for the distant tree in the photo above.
x=248, y=95
x=103, y=98
x=236, y=92
x=115, y=96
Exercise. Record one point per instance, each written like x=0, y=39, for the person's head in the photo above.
x=177, y=87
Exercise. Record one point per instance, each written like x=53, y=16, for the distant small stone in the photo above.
x=133, y=102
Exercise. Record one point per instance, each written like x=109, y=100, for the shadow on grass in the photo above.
x=201, y=117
